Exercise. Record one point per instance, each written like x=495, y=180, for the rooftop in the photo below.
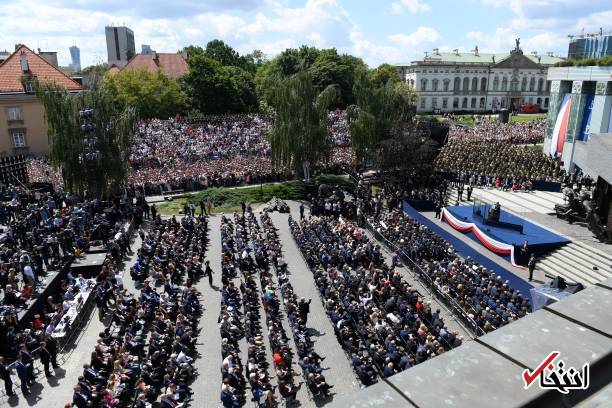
x=173, y=65
x=11, y=72
x=481, y=58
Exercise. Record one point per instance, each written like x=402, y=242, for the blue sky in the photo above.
x=377, y=31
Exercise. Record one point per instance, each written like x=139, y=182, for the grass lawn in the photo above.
x=228, y=199
x=526, y=117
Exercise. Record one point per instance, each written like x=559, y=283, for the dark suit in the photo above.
x=6, y=376
x=52, y=347
x=45, y=358
x=79, y=400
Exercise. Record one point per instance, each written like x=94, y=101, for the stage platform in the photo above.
x=506, y=242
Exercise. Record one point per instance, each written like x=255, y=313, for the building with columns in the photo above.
x=579, y=127
x=479, y=82
x=580, y=117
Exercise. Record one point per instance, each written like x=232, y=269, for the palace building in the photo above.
x=479, y=82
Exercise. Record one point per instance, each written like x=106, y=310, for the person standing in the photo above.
x=301, y=211
x=45, y=358
x=203, y=206
x=22, y=373
x=52, y=347
x=209, y=272
x=154, y=212
x=531, y=265
x=209, y=205
x=469, y=192
x=28, y=361
x=5, y=374
x=304, y=309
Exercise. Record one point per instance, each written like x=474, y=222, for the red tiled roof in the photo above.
x=172, y=65
x=10, y=72
x=113, y=70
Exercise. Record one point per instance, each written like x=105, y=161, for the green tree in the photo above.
x=383, y=74
x=380, y=118
x=299, y=138
x=326, y=66
x=152, y=94
x=114, y=129
x=215, y=88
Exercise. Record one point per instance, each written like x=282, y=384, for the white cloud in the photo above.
x=413, y=6
x=422, y=36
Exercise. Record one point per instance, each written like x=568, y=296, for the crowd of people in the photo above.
x=381, y=322
x=208, y=151
x=145, y=354
x=481, y=294
x=249, y=254
x=42, y=233
x=497, y=164
x=492, y=132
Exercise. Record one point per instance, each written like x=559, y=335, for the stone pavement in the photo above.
x=340, y=373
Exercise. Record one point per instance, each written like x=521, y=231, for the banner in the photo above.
x=585, y=127
x=560, y=129
x=496, y=246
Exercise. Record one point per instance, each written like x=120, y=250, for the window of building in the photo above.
x=444, y=103
x=539, y=101
x=474, y=84
x=532, y=84
x=530, y=100
x=466, y=84
x=482, y=103
x=505, y=84
x=473, y=103
x=14, y=113
x=434, y=103
x=548, y=86
x=446, y=84
x=503, y=103
x=18, y=137
x=455, y=103
x=423, y=84
x=494, y=103
x=422, y=103
x=464, y=103
x=457, y=84
x=524, y=84
x=546, y=102
x=495, y=83
x=483, y=85
x=540, y=84
x=434, y=85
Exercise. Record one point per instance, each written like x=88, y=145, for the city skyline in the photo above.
x=393, y=31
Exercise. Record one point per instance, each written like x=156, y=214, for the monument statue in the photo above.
x=518, y=42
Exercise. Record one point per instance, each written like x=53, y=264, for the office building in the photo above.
x=120, y=45
x=595, y=45
x=75, y=57
x=146, y=49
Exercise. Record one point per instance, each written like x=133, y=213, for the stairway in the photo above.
x=577, y=262
x=538, y=201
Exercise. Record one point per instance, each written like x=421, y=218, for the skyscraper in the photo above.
x=120, y=45
x=75, y=56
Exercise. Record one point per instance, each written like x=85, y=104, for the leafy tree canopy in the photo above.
x=300, y=135
x=152, y=94
x=113, y=132
x=326, y=67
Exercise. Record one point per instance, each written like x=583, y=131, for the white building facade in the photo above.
x=476, y=82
